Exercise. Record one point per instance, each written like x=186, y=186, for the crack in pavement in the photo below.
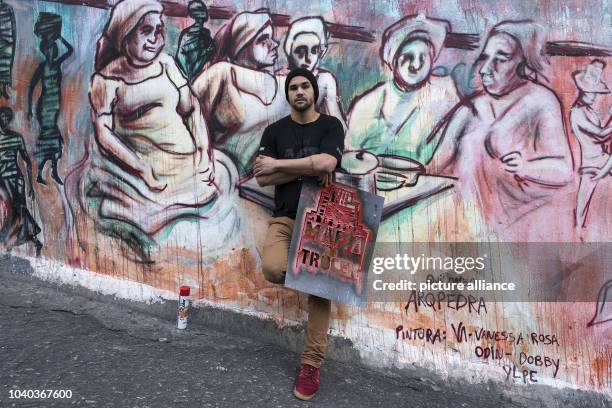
x=80, y=314
x=72, y=312
x=20, y=306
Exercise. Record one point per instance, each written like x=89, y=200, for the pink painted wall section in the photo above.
x=128, y=136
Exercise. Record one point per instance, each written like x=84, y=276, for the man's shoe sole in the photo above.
x=302, y=396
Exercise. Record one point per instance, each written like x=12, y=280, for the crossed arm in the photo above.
x=270, y=171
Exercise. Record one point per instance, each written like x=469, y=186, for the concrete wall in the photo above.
x=194, y=221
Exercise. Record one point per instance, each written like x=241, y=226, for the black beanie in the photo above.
x=306, y=74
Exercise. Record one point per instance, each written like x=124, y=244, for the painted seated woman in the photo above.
x=396, y=116
x=507, y=143
x=151, y=162
x=392, y=121
x=239, y=93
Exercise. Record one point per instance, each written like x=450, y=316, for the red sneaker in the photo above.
x=307, y=383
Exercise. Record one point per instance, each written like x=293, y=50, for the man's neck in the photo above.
x=307, y=116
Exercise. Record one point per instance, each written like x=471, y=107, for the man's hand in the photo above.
x=326, y=179
x=264, y=166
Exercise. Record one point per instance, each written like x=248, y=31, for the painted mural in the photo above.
x=477, y=121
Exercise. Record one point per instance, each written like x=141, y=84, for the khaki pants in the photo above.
x=274, y=258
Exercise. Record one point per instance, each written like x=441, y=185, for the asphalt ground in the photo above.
x=57, y=337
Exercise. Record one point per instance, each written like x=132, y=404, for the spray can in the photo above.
x=183, y=307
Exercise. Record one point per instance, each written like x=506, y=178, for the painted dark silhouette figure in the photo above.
x=20, y=226
x=50, y=143
x=7, y=47
x=196, y=45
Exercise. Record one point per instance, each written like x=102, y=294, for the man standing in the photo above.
x=304, y=144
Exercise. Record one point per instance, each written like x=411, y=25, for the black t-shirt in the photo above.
x=287, y=139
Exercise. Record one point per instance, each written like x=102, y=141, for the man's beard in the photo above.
x=302, y=108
